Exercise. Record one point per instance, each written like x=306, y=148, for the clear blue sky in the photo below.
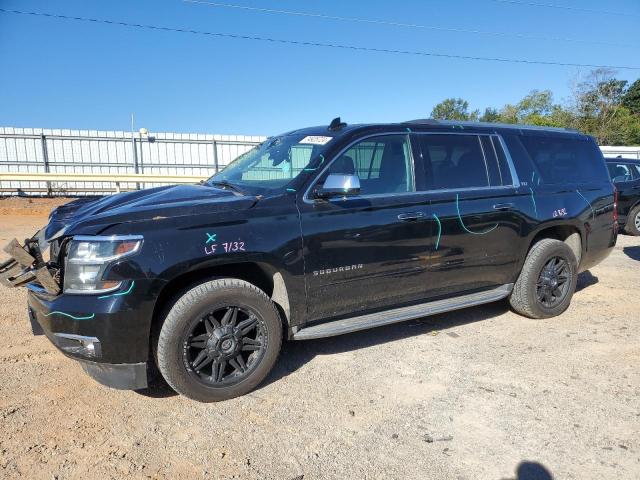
x=68, y=74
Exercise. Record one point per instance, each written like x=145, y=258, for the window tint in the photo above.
x=383, y=164
x=454, y=161
x=620, y=172
x=560, y=159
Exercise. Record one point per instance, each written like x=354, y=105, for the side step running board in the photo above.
x=363, y=322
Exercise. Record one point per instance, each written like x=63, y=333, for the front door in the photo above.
x=367, y=251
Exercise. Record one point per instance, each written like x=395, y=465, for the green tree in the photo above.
x=454, y=109
x=631, y=99
x=597, y=101
x=491, y=115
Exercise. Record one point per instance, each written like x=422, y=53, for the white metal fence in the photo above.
x=625, y=152
x=33, y=150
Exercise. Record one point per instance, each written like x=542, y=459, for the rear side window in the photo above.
x=460, y=161
x=559, y=159
x=620, y=172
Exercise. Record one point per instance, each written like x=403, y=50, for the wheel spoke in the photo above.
x=230, y=317
x=217, y=371
x=202, y=360
x=236, y=365
x=200, y=344
x=251, y=345
x=247, y=325
x=210, y=323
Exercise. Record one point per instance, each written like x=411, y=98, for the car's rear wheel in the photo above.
x=547, y=280
x=219, y=340
x=633, y=222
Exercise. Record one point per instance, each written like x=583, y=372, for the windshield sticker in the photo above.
x=315, y=140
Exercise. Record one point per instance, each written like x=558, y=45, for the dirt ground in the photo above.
x=475, y=394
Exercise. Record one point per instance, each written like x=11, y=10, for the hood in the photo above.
x=94, y=215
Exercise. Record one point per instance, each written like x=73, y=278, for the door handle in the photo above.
x=410, y=216
x=503, y=206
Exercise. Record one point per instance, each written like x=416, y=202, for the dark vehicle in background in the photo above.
x=625, y=175
x=316, y=232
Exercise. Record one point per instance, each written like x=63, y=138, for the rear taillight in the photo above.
x=615, y=204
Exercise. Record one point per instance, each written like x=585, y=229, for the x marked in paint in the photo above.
x=211, y=238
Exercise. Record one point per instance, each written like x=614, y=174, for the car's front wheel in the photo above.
x=219, y=340
x=547, y=280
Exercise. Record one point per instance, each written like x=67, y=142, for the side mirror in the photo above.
x=339, y=185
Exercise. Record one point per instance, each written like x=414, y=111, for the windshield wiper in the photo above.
x=225, y=184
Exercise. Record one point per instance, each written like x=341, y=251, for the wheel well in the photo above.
x=565, y=233
x=260, y=275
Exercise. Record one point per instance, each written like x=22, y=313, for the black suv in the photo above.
x=625, y=174
x=316, y=232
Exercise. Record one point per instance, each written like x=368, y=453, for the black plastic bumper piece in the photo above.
x=123, y=376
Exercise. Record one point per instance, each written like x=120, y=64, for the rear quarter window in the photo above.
x=557, y=159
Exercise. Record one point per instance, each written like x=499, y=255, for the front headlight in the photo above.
x=88, y=258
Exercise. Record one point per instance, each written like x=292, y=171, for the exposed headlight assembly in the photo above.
x=88, y=258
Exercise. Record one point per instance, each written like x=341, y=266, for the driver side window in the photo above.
x=383, y=165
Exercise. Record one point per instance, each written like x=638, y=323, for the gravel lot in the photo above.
x=475, y=394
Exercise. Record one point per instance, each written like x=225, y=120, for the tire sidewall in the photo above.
x=195, y=303
x=557, y=249
x=631, y=222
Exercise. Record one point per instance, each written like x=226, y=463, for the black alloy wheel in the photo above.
x=223, y=346
x=553, y=285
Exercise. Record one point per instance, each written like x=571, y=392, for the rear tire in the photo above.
x=219, y=340
x=633, y=222
x=547, y=280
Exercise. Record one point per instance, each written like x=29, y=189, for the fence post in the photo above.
x=45, y=159
x=135, y=157
x=215, y=155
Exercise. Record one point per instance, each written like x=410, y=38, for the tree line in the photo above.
x=600, y=105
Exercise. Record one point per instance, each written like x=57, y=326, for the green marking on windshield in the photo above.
x=292, y=190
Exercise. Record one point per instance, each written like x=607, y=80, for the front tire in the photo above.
x=219, y=340
x=633, y=222
x=547, y=280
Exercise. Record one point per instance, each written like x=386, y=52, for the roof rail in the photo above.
x=454, y=123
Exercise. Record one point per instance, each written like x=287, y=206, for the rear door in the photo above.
x=368, y=251
x=475, y=211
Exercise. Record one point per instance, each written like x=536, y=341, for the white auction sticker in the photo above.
x=316, y=140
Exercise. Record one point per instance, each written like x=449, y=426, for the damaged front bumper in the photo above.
x=100, y=334
x=26, y=265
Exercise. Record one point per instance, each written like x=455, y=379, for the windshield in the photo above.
x=274, y=163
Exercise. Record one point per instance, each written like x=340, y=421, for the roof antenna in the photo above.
x=336, y=124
